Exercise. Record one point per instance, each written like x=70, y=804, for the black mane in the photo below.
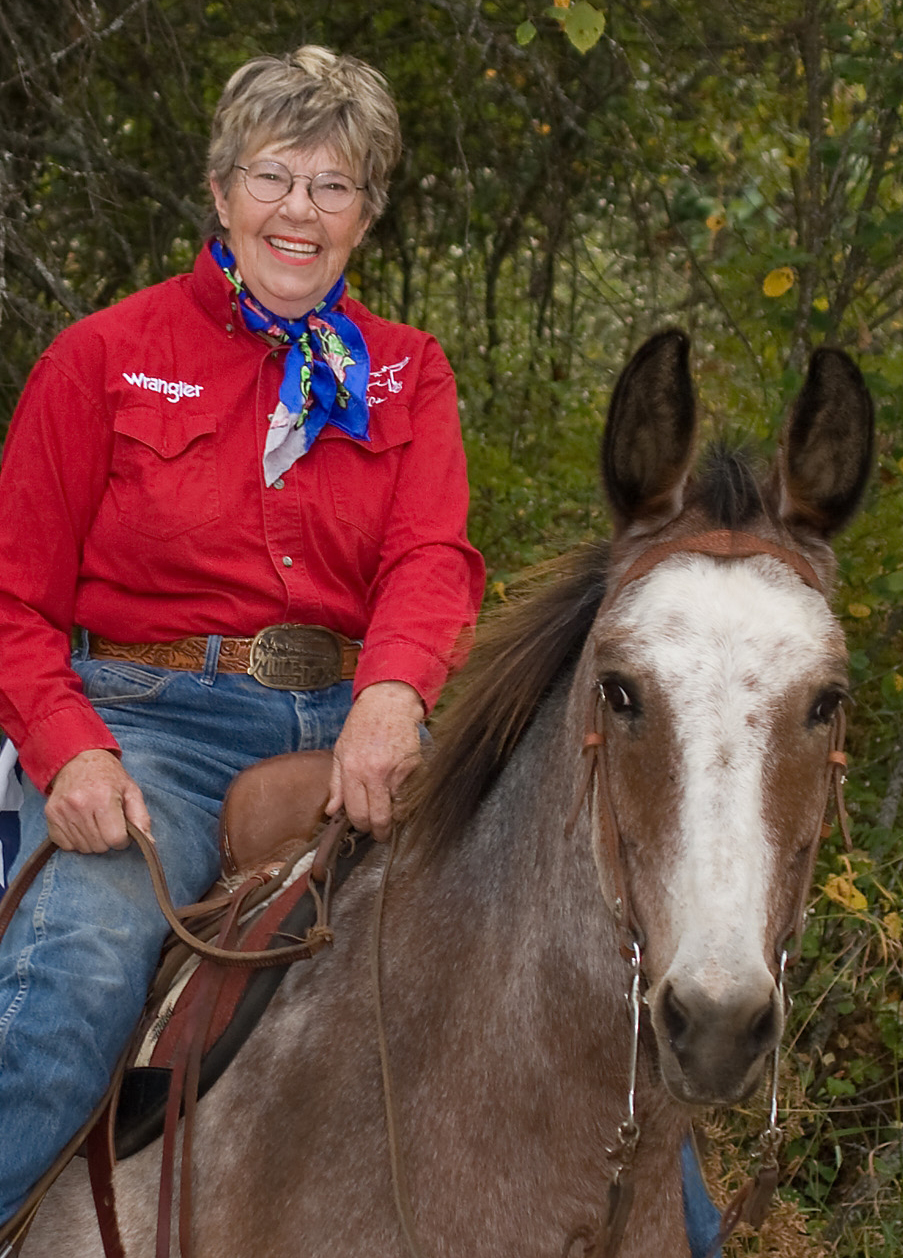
x=728, y=488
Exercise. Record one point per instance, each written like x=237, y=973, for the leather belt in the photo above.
x=283, y=657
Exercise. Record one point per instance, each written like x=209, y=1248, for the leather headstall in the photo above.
x=752, y=1202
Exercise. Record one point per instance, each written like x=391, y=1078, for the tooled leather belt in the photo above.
x=283, y=657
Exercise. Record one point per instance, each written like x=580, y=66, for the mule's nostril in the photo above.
x=763, y=1029
x=676, y=1018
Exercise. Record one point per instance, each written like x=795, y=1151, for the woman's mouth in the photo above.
x=295, y=250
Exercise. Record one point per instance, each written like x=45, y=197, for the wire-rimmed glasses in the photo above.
x=329, y=190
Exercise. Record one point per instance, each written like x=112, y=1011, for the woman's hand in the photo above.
x=89, y=801
x=378, y=747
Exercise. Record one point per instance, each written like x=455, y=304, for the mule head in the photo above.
x=721, y=677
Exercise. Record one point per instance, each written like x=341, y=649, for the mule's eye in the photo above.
x=617, y=695
x=825, y=706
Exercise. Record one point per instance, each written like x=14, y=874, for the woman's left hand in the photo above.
x=378, y=747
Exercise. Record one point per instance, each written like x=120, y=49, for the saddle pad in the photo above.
x=243, y=996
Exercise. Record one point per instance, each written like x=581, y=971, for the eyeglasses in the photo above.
x=271, y=181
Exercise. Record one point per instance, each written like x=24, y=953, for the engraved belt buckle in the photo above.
x=296, y=657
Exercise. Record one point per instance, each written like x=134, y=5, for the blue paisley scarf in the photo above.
x=327, y=369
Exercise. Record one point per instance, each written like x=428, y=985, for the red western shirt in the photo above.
x=132, y=503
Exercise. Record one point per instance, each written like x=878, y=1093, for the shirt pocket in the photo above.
x=362, y=475
x=163, y=476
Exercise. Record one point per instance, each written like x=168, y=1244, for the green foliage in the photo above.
x=734, y=169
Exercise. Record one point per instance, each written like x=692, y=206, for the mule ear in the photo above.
x=826, y=446
x=648, y=444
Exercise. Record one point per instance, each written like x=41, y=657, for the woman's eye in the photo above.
x=617, y=696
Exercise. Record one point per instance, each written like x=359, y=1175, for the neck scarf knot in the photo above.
x=327, y=369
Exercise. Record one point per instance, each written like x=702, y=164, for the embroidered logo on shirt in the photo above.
x=174, y=390
x=386, y=380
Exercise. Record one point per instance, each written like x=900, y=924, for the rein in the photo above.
x=318, y=936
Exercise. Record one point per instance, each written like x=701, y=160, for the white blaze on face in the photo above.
x=724, y=642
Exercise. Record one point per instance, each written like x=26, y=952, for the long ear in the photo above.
x=648, y=444
x=826, y=446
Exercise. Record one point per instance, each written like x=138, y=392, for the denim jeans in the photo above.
x=77, y=959
x=701, y=1218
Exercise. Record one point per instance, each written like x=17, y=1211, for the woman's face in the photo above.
x=288, y=252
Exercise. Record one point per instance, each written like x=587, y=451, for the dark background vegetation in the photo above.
x=734, y=168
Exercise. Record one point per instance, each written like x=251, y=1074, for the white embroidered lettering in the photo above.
x=173, y=390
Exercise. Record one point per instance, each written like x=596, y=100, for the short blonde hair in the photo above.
x=308, y=98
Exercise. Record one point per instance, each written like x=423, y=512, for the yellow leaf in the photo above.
x=498, y=589
x=859, y=610
x=778, y=281
x=562, y=4
x=898, y=682
x=842, y=890
x=821, y=303
x=893, y=924
x=715, y=222
x=490, y=73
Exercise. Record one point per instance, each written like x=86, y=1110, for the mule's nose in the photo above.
x=717, y=1043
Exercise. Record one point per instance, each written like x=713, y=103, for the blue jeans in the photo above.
x=701, y=1218
x=77, y=959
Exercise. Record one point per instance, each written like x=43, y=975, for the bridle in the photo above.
x=720, y=543
x=752, y=1201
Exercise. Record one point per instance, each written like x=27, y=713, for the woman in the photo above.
x=248, y=494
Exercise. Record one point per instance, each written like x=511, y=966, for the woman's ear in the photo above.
x=219, y=200
x=363, y=228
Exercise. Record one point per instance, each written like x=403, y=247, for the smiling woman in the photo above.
x=289, y=249
x=193, y=437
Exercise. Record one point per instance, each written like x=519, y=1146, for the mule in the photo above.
x=634, y=773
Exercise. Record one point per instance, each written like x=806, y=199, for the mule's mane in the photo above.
x=727, y=487
x=524, y=648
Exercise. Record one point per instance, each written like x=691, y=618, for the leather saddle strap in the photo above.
x=186, y=1069
x=101, y=1160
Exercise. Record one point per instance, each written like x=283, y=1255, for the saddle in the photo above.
x=281, y=860
x=277, y=851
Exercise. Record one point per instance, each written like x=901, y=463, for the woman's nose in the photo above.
x=297, y=204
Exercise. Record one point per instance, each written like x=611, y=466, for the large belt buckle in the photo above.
x=296, y=657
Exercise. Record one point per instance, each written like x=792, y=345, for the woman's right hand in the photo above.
x=90, y=800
